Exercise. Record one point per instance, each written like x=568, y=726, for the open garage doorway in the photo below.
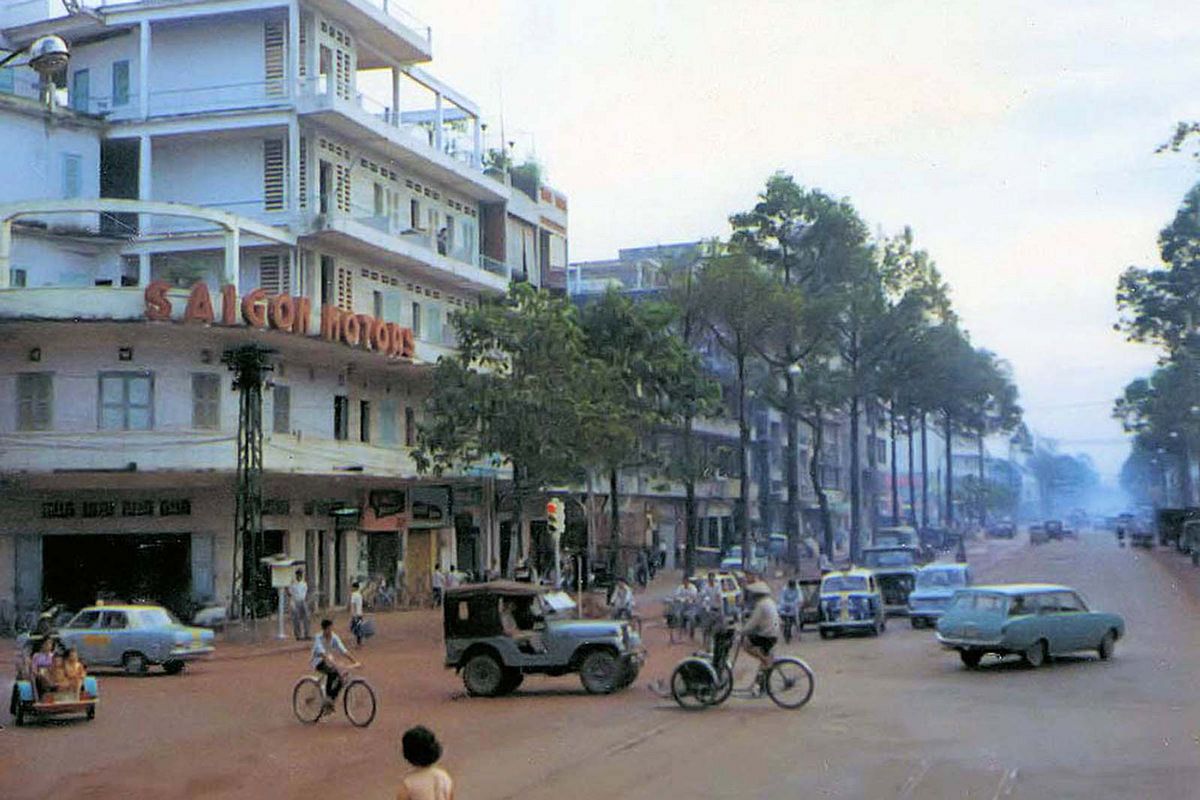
x=77, y=569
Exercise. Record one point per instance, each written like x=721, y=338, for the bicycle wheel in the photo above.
x=790, y=682
x=692, y=685
x=724, y=687
x=308, y=700
x=358, y=701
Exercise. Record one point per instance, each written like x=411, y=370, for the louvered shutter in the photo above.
x=273, y=167
x=273, y=274
x=274, y=38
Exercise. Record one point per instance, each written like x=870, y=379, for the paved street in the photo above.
x=893, y=717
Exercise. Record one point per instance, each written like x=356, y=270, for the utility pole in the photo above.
x=249, y=365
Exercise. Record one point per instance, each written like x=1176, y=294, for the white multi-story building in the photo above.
x=208, y=174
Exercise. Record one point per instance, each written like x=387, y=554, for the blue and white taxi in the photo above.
x=135, y=637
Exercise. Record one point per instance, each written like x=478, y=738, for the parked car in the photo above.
x=850, y=600
x=895, y=570
x=607, y=654
x=135, y=637
x=733, y=559
x=935, y=588
x=934, y=538
x=1140, y=535
x=1034, y=621
x=1002, y=530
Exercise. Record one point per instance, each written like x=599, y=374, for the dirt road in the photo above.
x=893, y=717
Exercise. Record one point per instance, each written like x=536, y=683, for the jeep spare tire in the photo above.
x=600, y=672
x=483, y=676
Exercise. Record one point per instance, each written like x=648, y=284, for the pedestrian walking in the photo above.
x=298, y=595
x=356, y=613
x=439, y=584
x=426, y=781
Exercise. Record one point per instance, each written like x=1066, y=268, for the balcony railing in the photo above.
x=405, y=18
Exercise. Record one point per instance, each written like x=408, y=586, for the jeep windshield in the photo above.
x=845, y=583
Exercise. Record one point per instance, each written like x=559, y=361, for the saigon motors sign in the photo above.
x=285, y=313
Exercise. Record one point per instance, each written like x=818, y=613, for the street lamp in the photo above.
x=48, y=55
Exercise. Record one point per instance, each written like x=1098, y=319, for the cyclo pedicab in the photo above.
x=707, y=679
x=28, y=702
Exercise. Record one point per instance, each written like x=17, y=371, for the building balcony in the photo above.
x=376, y=238
x=385, y=25
x=457, y=165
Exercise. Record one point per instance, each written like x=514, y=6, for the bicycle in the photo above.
x=704, y=680
x=309, y=702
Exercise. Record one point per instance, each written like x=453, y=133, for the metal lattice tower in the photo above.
x=249, y=366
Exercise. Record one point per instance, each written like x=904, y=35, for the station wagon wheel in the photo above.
x=600, y=672
x=174, y=667
x=483, y=676
x=134, y=663
x=970, y=658
x=1107, y=644
x=1035, y=656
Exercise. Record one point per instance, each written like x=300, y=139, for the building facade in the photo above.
x=210, y=175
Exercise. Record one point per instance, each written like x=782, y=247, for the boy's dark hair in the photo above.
x=421, y=748
x=326, y=624
x=299, y=573
x=355, y=584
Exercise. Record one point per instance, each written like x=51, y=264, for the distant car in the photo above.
x=1034, y=621
x=1002, y=530
x=1037, y=535
x=1140, y=535
x=733, y=559
x=135, y=637
x=895, y=570
x=936, y=586
x=850, y=600
x=607, y=654
x=1053, y=528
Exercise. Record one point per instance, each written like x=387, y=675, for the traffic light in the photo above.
x=556, y=517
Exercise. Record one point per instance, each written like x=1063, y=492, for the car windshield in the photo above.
x=978, y=601
x=844, y=583
x=156, y=616
x=941, y=578
x=85, y=619
x=889, y=558
x=557, y=602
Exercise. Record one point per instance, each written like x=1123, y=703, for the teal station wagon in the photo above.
x=1032, y=620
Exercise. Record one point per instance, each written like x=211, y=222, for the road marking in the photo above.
x=1008, y=782
x=632, y=743
x=914, y=780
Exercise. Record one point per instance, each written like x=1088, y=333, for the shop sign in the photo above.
x=276, y=507
x=285, y=313
x=58, y=509
x=430, y=505
x=101, y=509
x=175, y=508
x=386, y=502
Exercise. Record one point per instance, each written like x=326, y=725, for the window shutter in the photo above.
x=345, y=289
x=71, y=175
x=273, y=165
x=304, y=22
x=273, y=274
x=274, y=36
x=342, y=189
x=303, y=171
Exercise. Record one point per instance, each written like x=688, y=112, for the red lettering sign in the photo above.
x=158, y=307
x=254, y=309
x=199, y=305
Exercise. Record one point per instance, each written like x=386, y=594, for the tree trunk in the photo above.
x=514, y=533
x=924, y=472
x=814, y=474
x=1185, y=477
x=793, y=474
x=614, y=499
x=982, y=483
x=912, y=485
x=949, y=470
x=872, y=488
x=895, y=471
x=689, y=501
x=855, y=480
x=743, y=505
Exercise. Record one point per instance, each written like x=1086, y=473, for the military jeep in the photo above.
x=542, y=638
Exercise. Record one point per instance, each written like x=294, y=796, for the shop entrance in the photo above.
x=155, y=568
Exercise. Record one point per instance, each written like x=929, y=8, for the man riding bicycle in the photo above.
x=761, y=630
x=325, y=646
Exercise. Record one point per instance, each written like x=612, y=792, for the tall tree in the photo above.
x=512, y=396
x=739, y=299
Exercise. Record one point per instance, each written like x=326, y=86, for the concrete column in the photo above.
x=232, y=272
x=293, y=51
x=395, y=120
x=294, y=165
x=144, y=68
x=143, y=269
x=5, y=252
x=145, y=177
x=438, y=134
x=478, y=132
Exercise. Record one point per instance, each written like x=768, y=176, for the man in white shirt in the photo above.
x=622, y=600
x=298, y=593
x=322, y=658
x=439, y=584
x=356, y=613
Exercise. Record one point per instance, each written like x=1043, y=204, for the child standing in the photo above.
x=426, y=781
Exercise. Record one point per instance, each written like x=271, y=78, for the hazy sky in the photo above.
x=1016, y=139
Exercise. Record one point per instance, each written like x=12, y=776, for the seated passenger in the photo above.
x=528, y=641
x=57, y=677
x=40, y=666
x=622, y=600
x=75, y=672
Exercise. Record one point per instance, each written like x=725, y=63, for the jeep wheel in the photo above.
x=512, y=680
x=483, y=676
x=600, y=672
